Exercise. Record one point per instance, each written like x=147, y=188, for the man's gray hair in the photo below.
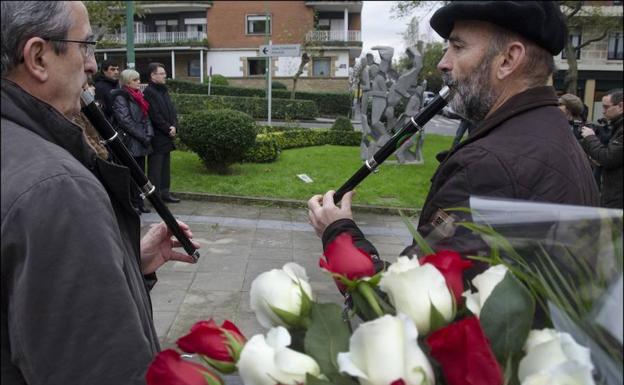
x=22, y=20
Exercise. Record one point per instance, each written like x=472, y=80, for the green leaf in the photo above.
x=436, y=319
x=290, y=319
x=311, y=380
x=506, y=317
x=327, y=336
x=422, y=244
x=338, y=379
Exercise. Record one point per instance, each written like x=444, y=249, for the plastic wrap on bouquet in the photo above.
x=571, y=257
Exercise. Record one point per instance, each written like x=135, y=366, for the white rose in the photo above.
x=269, y=361
x=485, y=284
x=554, y=358
x=412, y=289
x=386, y=350
x=281, y=289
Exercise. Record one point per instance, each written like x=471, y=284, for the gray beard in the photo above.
x=474, y=96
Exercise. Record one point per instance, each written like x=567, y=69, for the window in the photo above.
x=615, y=46
x=321, y=66
x=256, y=66
x=257, y=24
x=575, y=38
x=323, y=25
x=166, y=25
x=194, y=68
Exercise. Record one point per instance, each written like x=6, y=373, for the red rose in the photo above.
x=452, y=267
x=464, y=354
x=168, y=368
x=342, y=257
x=220, y=346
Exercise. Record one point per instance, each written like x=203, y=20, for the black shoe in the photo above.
x=144, y=209
x=171, y=199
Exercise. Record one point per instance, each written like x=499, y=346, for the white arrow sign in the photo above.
x=280, y=50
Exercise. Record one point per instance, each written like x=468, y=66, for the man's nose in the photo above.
x=90, y=65
x=445, y=64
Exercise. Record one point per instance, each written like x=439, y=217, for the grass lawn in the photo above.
x=328, y=166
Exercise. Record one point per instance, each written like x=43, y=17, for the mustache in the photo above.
x=448, y=80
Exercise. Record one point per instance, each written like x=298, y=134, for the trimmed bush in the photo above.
x=275, y=85
x=342, y=123
x=256, y=107
x=264, y=150
x=307, y=138
x=218, y=137
x=328, y=103
x=217, y=80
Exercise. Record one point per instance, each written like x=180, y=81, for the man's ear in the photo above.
x=35, y=58
x=511, y=59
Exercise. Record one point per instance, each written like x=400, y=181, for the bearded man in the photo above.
x=498, y=61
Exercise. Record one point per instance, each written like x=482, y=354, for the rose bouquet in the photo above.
x=545, y=307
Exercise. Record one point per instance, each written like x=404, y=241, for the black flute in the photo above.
x=414, y=125
x=112, y=140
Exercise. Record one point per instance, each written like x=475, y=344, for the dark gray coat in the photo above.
x=163, y=115
x=75, y=306
x=129, y=119
x=609, y=157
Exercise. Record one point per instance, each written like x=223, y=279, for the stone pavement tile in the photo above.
x=218, y=281
x=256, y=267
x=228, y=210
x=389, y=251
x=386, y=239
x=272, y=238
x=170, y=290
x=306, y=241
x=185, y=207
x=223, y=263
x=163, y=321
x=273, y=253
x=276, y=213
x=199, y=305
x=300, y=215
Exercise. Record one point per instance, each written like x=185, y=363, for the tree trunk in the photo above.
x=571, y=78
x=304, y=60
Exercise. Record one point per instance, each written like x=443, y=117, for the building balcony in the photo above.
x=329, y=37
x=161, y=38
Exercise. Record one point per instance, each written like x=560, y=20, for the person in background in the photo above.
x=572, y=106
x=463, y=127
x=164, y=119
x=91, y=135
x=609, y=156
x=76, y=273
x=130, y=112
x=105, y=82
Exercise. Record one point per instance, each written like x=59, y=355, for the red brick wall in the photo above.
x=226, y=20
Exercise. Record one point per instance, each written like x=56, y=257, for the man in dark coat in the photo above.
x=75, y=273
x=106, y=81
x=608, y=156
x=165, y=120
x=498, y=61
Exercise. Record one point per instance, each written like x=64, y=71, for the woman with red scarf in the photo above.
x=131, y=118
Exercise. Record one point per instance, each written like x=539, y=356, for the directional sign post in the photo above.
x=276, y=50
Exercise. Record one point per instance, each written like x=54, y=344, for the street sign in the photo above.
x=280, y=50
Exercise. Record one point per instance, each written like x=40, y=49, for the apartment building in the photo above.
x=193, y=39
x=329, y=31
x=599, y=63
x=173, y=33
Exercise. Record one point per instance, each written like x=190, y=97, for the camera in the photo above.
x=601, y=128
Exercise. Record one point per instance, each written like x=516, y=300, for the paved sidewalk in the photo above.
x=239, y=242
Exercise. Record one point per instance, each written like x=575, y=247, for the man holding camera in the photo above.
x=608, y=156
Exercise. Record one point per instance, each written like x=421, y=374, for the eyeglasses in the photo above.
x=87, y=47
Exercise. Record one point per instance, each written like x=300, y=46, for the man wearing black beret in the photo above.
x=498, y=61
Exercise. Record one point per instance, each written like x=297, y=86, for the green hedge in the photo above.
x=268, y=146
x=256, y=107
x=328, y=103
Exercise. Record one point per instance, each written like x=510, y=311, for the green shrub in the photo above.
x=217, y=80
x=307, y=138
x=278, y=85
x=264, y=150
x=218, y=137
x=256, y=107
x=342, y=123
x=328, y=103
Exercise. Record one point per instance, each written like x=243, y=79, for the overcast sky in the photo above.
x=379, y=28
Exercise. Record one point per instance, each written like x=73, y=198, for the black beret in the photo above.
x=539, y=21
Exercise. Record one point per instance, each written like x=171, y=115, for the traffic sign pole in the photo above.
x=270, y=82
